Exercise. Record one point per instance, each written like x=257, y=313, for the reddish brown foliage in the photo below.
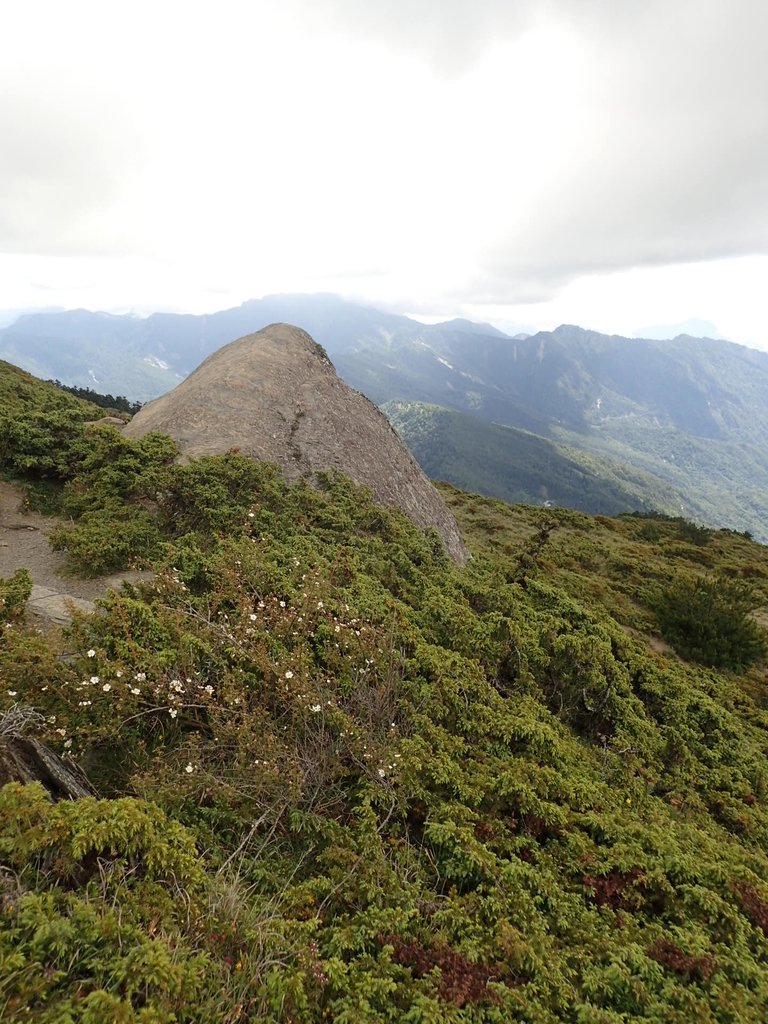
x=754, y=905
x=484, y=831
x=609, y=889
x=665, y=952
x=462, y=982
x=539, y=829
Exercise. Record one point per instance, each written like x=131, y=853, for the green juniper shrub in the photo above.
x=693, y=532
x=707, y=619
x=42, y=444
x=14, y=594
x=343, y=780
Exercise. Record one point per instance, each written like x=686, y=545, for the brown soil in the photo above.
x=654, y=642
x=660, y=646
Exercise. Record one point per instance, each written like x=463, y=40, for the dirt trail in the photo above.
x=24, y=545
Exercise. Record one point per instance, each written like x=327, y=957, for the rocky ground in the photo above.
x=24, y=545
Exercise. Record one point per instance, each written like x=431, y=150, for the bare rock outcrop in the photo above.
x=275, y=395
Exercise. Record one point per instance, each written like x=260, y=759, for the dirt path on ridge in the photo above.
x=24, y=545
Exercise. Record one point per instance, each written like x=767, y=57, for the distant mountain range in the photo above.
x=598, y=422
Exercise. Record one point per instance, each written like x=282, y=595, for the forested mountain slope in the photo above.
x=521, y=467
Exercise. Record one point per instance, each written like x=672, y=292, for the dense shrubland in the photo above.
x=340, y=779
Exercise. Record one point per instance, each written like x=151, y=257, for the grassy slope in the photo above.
x=343, y=780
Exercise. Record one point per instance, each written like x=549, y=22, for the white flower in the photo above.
x=172, y=712
x=289, y=674
x=208, y=689
x=382, y=773
x=282, y=604
x=61, y=732
x=251, y=515
x=106, y=687
x=67, y=744
x=315, y=708
x=176, y=685
x=189, y=769
x=12, y=693
x=91, y=653
x=94, y=680
x=141, y=676
x=252, y=616
x=135, y=690
x=84, y=703
x=119, y=673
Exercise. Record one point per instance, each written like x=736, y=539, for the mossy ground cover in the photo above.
x=341, y=779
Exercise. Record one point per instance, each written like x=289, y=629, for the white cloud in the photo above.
x=435, y=154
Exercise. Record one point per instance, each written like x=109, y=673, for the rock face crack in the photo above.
x=293, y=436
x=245, y=396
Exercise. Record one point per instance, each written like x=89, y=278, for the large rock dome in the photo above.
x=275, y=395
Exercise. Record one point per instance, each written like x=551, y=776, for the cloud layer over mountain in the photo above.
x=411, y=152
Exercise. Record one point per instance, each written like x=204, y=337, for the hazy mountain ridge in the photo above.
x=692, y=413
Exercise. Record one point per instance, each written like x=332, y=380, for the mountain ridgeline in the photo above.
x=676, y=425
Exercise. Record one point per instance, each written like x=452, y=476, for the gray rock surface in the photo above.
x=55, y=605
x=275, y=395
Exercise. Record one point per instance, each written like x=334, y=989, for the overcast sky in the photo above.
x=601, y=162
